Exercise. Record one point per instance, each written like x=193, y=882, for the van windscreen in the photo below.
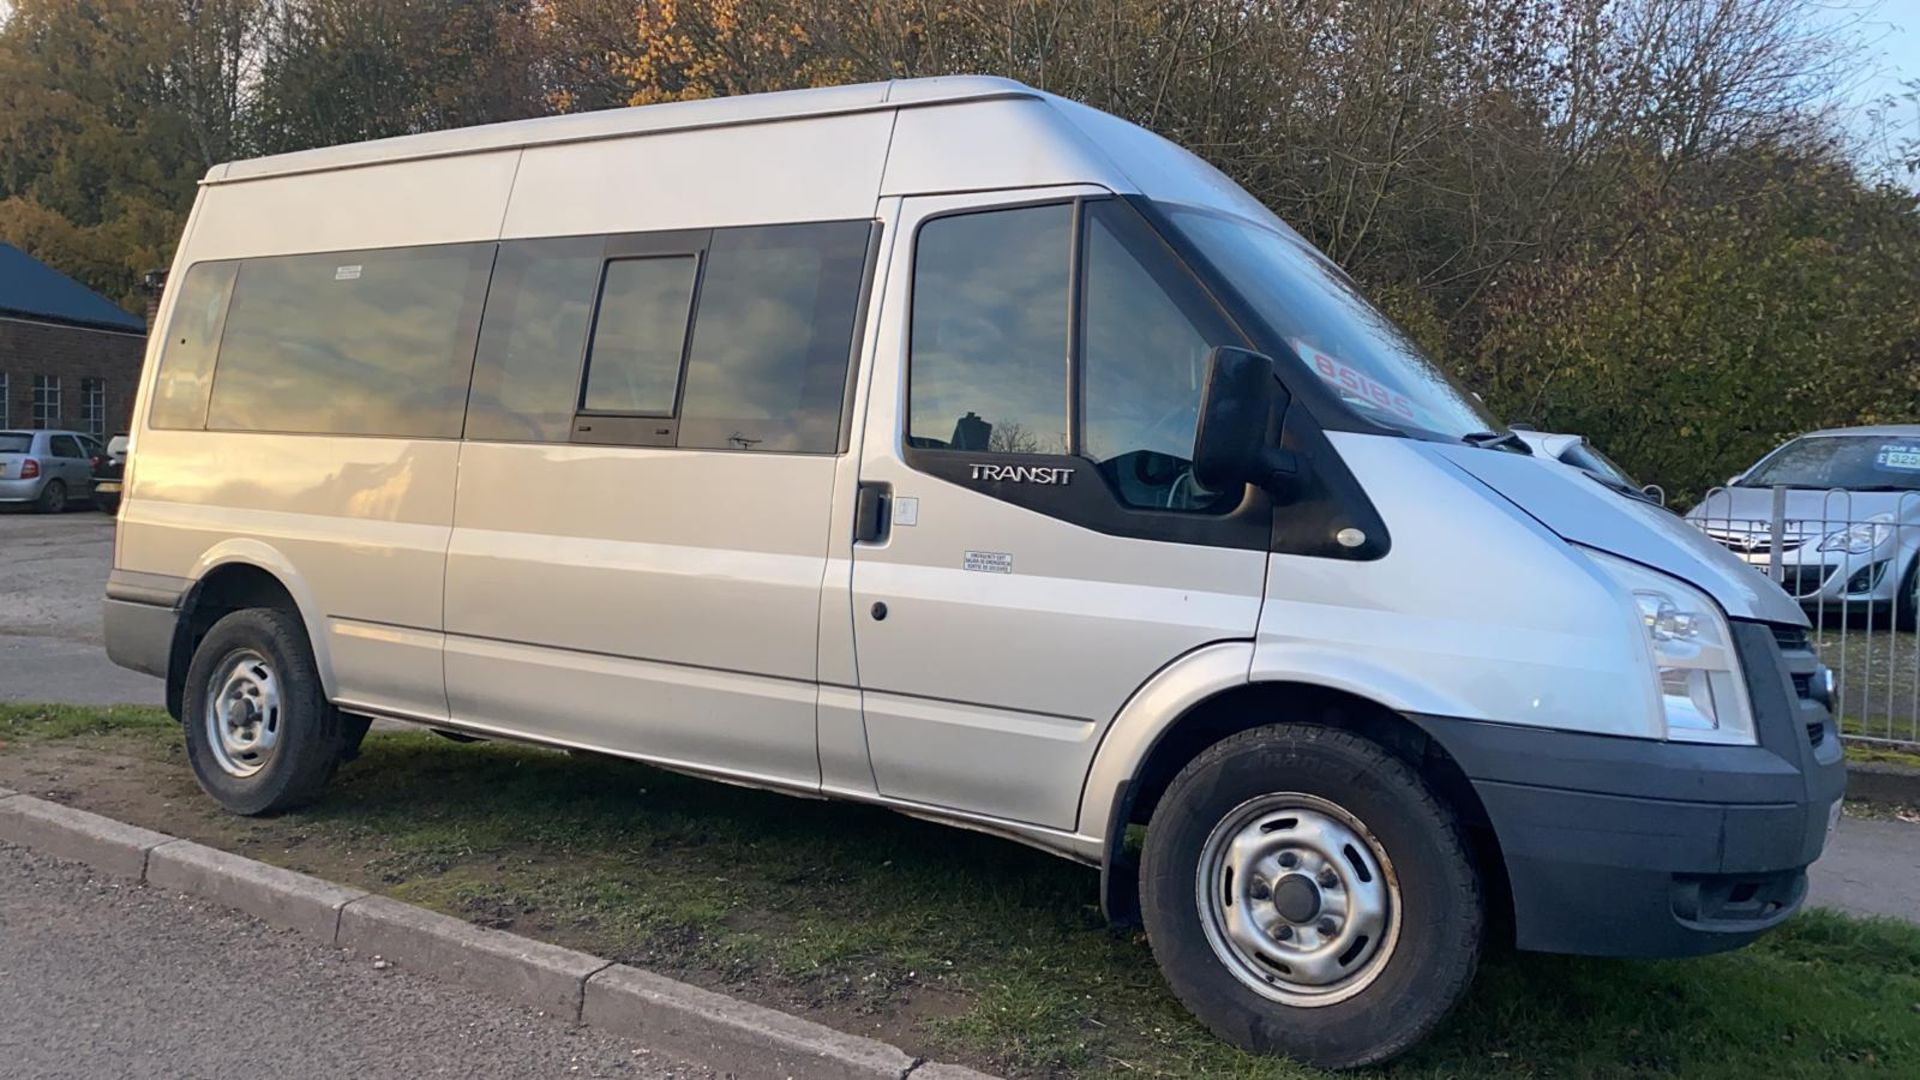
x=1369, y=362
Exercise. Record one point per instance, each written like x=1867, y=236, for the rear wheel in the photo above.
x=1306, y=894
x=53, y=498
x=261, y=735
x=106, y=504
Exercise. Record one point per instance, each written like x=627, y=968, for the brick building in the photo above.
x=69, y=357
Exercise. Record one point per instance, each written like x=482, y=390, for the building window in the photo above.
x=93, y=407
x=46, y=401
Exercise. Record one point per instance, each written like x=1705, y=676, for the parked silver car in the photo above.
x=1850, y=529
x=46, y=469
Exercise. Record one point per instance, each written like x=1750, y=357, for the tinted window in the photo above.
x=768, y=369
x=539, y=308
x=15, y=442
x=353, y=343
x=1142, y=365
x=65, y=446
x=1856, y=462
x=989, y=366
x=193, y=336
x=639, y=333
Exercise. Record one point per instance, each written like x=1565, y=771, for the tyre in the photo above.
x=261, y=736
x=1306, y=894
x=107, y=504
x=53, y=498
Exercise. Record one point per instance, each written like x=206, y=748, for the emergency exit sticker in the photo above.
x=989, y=562
x=347, y=273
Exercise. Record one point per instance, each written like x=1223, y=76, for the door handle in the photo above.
x=871, y=519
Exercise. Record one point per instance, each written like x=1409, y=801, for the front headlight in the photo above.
x=1860, y=538
x=1696, y=674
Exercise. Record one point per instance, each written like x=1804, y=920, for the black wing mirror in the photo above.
x=1237, y=407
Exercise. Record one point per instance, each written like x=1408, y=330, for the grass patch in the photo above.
x=37, y=723
x=948, y=942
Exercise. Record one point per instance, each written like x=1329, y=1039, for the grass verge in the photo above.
x=943, y=941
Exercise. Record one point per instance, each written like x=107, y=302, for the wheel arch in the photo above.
x=1149, y=745
x=241, y=573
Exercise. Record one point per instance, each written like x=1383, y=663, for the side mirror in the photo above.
x=1237, y=405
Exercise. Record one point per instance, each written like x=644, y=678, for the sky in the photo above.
x=1888, y=33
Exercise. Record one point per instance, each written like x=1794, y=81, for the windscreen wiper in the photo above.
x=1621, y=486
x=1498, y=440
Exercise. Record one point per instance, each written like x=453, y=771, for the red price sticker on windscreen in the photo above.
x=1354, y=382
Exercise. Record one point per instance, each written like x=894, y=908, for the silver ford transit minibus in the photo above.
x=947, y=445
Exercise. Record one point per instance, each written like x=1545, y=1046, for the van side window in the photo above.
x=771, y=342
x=193, y=337
x=639, y=335
x=989, y=332
x=352, y=343
x=991, y=357
x=1142, y=364
x=526, y=380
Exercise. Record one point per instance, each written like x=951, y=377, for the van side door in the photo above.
x=646, y=489
x=1046, y=548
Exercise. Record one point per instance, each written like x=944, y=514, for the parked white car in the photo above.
x=1575, y=451
x=949, y=446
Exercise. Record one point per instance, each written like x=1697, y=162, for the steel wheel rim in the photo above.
x=243, y=714
x=1298, y=899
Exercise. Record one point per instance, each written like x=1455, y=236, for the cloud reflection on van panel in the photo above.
x=770, y=345
x=353, y=343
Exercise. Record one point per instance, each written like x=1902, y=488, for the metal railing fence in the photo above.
x=1852, y=561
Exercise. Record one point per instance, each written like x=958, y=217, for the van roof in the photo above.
x=615, y=123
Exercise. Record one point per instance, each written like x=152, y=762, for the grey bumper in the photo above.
x=1628, y=847
x=138, y=617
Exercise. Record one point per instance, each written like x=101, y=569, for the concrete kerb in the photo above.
x=752, y=1040
x=1883, y=783
x=103, y=843
x=673, y=1017
x=532, y=972
x=282, y=898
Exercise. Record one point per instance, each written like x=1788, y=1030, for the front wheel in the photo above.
x=1306, y=894
x=261, y=735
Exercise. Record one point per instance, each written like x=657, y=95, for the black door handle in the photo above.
x=871, y=518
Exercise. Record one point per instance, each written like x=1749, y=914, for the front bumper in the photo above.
x=1629, y=847
x=1829, y=579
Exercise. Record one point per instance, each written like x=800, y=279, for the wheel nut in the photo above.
x=1284, y=933
x=1329, y=879
x=1289, y=860
x=1328, y=926
x=1259, y=890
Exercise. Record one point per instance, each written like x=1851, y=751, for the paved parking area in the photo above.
x=53, y=572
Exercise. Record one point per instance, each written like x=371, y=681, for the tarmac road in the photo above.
x=53, y=574
x=102, y=979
